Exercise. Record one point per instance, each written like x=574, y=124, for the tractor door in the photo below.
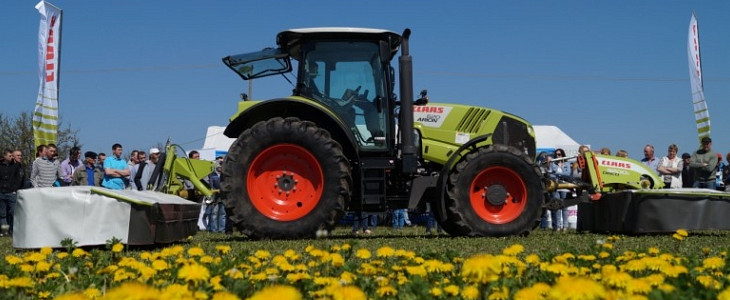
x=348, y=77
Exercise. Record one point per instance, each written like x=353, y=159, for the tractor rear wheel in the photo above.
x=285, y=178
x=494, y=191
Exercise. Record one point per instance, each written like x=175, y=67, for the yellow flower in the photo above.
x=224, y=296
x=45, y=295
x=175, y=291
x=43, y=266
x=92, y=293
x=196, y=251
x=385, y=252
x=34, y=257
x=436, y=292
x=348, y=292
x=653, y=250
x=118, y=247
x=234, y=273
x=682, y=232
x=46, y=250
x=451, y=290
x=577, y=288
x=223, y=249
x=363, y=254
x=638, y=286
x=13, y=260
x=386, y=291
x=262, y=254
x=62, y=255
x=159, y=265
x=193, y=273
x=713, y=263
x=724, y=295
x=499, y=294
x=70, y=296
x=21, y=282
x=708, y=282
x=677, y=236
x=279, y=292
x=470, y=293
x=532, y=259
x=337, y=260
x=513, y=250
x=482, y=268
x=206, y=259
x=417, y=271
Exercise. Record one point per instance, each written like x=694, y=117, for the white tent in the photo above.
x=216, y=143
x=549, y=138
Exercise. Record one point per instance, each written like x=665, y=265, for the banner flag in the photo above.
x=45, y=115
x=702, y=114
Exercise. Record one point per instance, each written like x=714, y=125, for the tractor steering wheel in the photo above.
x=349, y=96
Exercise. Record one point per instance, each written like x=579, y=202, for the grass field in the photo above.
x=403, y=264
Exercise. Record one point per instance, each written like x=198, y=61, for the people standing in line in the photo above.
x=649, y=159
x=45, y=170
x=10, y=183
x=116, y=170
x=69, y=165
x=688, y=176
x=622, y=153
x=25, y=181
x=88, y=174
x=670, y=168
x=704, y=163
x=559, y=167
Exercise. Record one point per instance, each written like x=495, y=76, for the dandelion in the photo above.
x=577, y=288
x=262, y=254
x=638, y=286
x=470, y=293
x=78, y=252
x=223, y=249
x=499, y=294
x=481, y=268
x=159, y=265
x=92, y=293
x=196, y=251
x=713, y=263
x=724, y=295
x=348, y=292
x=678, y=237
x=385, y=252
x=708, y=282
x=224, y=296
x=682, y=232
x=451, y=290
x=436, y=292
x=363, y=254
x=234, y=273
x=193, y=273
x=13, y=260
x=118, y=247
x=386, y=291
x=513, y=250
x=175, y=291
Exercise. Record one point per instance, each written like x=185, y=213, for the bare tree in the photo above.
x=17, y=133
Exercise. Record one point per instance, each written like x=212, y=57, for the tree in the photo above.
x=17, y=133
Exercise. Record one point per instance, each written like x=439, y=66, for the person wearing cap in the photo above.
x=670, y=168
x=142, y=172
x=688, y=176
x=88, y=173
x=704, y=165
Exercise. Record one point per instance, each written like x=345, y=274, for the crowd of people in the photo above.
x=704, y=168
x=96, y=169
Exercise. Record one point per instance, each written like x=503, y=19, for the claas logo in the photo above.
x=617, y=164
x=428, y=109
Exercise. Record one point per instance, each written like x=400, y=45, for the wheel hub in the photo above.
x=286, y=182
x=496, y=194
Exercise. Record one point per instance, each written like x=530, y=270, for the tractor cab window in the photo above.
x=348, y=77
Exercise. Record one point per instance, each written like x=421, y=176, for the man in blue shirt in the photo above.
x=116, y=170
x=649, y=159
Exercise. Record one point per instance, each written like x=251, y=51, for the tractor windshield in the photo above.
x=349, y=78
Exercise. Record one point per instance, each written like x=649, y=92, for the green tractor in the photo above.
x=343, y=141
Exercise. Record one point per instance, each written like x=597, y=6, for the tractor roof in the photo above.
x=289, y=39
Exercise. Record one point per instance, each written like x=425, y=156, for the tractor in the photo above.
x=343, y=141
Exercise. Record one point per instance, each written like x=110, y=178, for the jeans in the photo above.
x=704, y=184
x=431, y=223
x=215, y=216
x=7, y=208
x=399, y=218
x=362, y=220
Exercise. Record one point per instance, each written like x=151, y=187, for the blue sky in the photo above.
x=609, y=73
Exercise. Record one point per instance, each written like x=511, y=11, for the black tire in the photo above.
x=512, y=203
x=310, y=154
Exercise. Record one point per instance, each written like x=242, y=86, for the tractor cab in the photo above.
x=347, y=70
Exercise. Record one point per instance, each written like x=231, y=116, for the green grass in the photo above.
x=543, y=242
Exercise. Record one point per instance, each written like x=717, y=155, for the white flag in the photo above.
x=45, y=115
x=702, y=115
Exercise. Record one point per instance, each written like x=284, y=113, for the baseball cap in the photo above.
x=90, y=154
x=154, y=150
x=686, y=155
x=706, y=140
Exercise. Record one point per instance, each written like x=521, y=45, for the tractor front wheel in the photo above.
x=494, y=191
x=285, y=178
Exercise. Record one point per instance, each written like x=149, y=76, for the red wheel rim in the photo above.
x=285, y=182
x=516, y=195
